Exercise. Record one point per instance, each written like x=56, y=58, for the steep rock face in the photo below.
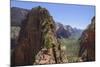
x=87, y=43
x=37, y=39
x=14, y=35
x=17, y=16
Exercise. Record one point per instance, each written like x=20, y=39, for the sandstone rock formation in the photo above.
x=37, y=42
x=87, y=43
x=17, y=16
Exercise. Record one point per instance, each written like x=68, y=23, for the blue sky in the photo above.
x=78, y=16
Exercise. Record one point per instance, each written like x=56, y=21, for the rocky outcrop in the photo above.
x=37, y=42
x=87, y=43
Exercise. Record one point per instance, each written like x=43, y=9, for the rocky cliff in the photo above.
x=37, y=42
x=87, y=43
x=17, y=16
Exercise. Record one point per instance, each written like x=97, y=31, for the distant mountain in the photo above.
x=61, y=31
x=18, y=15
x=67, y=31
